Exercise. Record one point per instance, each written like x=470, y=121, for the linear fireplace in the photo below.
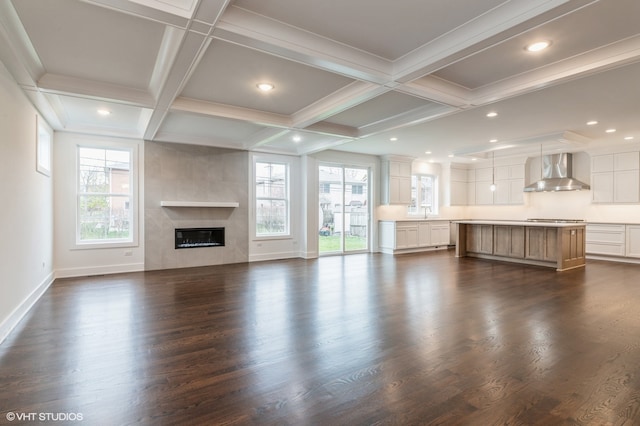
x=199, y=237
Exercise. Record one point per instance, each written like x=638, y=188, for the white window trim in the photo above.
x=436, y=198
x=277, y=160
x=134, y=204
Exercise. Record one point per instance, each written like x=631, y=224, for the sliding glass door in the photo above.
x=343, y=209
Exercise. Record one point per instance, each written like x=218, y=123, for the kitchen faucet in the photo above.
x=426, y=208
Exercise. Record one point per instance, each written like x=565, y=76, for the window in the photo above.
x=272, y=198
x=424, y=195
x=105, y=192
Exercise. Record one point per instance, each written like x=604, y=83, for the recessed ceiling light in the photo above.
x=428, y=152
x=628, y=138
x=474, y=159
x=538, y=46
x=592, y=123
x=296, y=138
x=393, y=139
x=104, y=111
x=493, y=140
x=492, y=114
x=450, y=155
x=265, y=87
x=610, y=130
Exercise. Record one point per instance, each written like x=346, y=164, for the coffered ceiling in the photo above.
x=376, y=77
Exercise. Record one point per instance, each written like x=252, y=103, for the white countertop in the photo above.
x=520, y=223
x=429, y=219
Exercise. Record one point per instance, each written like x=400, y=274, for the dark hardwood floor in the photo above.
x=355, y=340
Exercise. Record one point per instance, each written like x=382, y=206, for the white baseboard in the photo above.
x=272, y=256
x=613, y=258
x=21, y=310
x=99, y=270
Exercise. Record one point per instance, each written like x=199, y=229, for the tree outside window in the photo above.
x=272, y=198
x=104, y=195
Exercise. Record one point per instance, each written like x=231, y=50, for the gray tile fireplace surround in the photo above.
x=179, y=172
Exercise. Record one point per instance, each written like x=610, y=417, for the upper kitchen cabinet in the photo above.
x=395, y=185
x=509, y=184
x=459, y=185
x=615, y=178
x=475, y=184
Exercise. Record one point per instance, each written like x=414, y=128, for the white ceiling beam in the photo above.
x=337, y=102
x=264, y=137
x=321, y=146
x=192, y=48
x=258, y=32
x=228, y=111
x=81, y=88
x=169, y=49
x=438, y=90
x=142, y=11
x=212, y=141
x=607, y=57
x=16, y=50
x=409, y=118
x=333, y=130
x=490, y=28
x=190, y=53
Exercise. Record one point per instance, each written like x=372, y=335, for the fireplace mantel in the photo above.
x=207, y=204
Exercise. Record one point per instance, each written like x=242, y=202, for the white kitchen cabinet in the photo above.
x=396, y=180
x=602, y=187
x=471, y=193
x=509, y=191
x=515, y=171
x=509, y=181
x=605, y=239
x=458, y=187
x=412, y=235
x=484, y=174
x=459, y=196
x=484, y=194
x=615, y=178
x=626, y=161
x=632, y=241
x=440, y=233
x=406, y=236
x=424, y=234
x=626, y=186
x=602, y=163
x=509, y=184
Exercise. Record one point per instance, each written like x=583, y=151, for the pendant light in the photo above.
x=493, y=171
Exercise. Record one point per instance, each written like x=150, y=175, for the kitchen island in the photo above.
x=558, y=245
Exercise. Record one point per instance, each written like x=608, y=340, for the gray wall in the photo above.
x=178, y=172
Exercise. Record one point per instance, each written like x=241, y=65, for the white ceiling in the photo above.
x=348, y=75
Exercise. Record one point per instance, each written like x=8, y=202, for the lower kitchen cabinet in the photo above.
x=606, y=239
x=633, y=241
x=479, y=239
x=614, y=240
x=508, y=241
x=541, y=244
x=398, y=236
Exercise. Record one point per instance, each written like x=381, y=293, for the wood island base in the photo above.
x=555, y=245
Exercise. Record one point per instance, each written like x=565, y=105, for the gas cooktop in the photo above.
x=555, y=220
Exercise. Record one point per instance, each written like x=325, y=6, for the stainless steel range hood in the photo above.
x=557, y=172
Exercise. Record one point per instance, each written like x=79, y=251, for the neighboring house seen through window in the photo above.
x=105, y=192
x=272, y=198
